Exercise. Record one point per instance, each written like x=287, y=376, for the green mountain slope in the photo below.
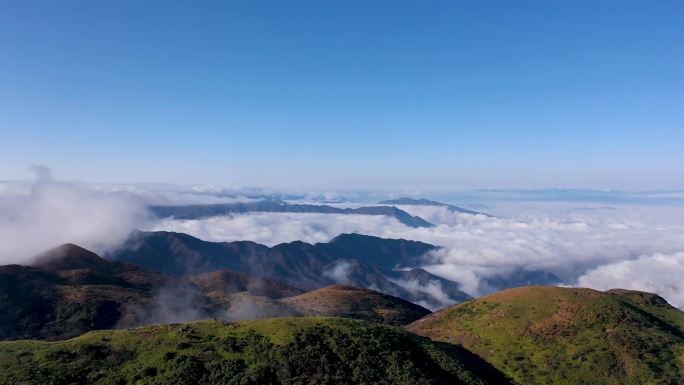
x=274, y=351
x=552, y=335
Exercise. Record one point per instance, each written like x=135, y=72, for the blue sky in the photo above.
x=346, y=94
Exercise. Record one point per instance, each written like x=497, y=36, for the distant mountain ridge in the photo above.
x=425, y=202
x=199, y=211
x=386, y=265
x=350, y=259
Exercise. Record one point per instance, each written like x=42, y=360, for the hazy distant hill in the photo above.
x=209, y=210
x=226, y=281
x=353, y=302
x=351, y=259
x=521, y=277
x=426, y=202
x=275, y=351
x=552, y=335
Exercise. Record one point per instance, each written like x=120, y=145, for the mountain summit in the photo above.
x=69, y=257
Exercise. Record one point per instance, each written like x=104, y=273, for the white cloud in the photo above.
x=339, y=272
x=43, y=214
x=433, y=288
x=659, y=273
x=273, y=228
x=165, y=194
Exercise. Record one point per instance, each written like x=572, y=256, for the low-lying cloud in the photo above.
x=569, y=241
x=432, y=288
x=339, y=272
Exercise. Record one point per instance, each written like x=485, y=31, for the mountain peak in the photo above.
x=356, y=239
x=69, y=257
x=344, y=237
x=426, y=202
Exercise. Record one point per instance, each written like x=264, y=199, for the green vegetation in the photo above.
x=551, y=335
x=273, y=351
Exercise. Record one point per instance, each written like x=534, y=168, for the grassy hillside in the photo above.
x=544, y=335
x=353, y=302
x=274, y=351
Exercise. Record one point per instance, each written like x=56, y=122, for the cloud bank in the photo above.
x=569, y=240
x=593, y=244
x=658, y=273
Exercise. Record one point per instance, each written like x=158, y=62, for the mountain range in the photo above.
x=386, y=265
x=350, y=259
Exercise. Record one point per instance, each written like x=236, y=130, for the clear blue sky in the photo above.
x=333, y=94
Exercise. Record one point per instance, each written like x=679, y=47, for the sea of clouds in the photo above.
x=598, y=245
x=635, y=247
